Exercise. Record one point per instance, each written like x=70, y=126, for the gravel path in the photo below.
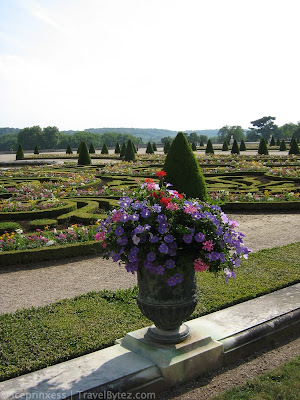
x=47, y=282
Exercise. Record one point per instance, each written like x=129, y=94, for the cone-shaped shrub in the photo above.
x=282, y=146
x=263, y=148
x=209, y=148
x=166, y=147
x=278, y=142
x=294, y=149
x=149, y=149
x=183, y=170
x=36, y=150
x=20, y=153
x=69, y=149
x=130, y=154
x=154, y=146
x=272, y=142
x=243, y=145
x=79, y=148
x=134, y=148
x=104, y=149
x=123, y=150
x=225, y=146
x=235, y=147
x=84, y=157
x=194, y=147
x=201, y=143
x=117, y=148
x=92, y=149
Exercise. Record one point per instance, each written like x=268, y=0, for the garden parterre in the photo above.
x=230, y=179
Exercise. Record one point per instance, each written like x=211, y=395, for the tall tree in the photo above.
x=264, y=127
x=29, y=137
x=50, y=137
x=226, y=132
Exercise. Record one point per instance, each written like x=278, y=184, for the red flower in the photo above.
x=161, y=174
x=165, y=201
x=149, y=180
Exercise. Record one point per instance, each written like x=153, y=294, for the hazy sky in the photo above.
x=174, y=64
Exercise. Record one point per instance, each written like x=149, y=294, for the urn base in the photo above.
x=164, y=336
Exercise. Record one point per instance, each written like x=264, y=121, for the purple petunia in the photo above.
x=174, y=280
x=145, y=212
x=124, y=217
x=187, y=238
x=199, y=237
x=138, y=229
x=122, y=240
x=151, y=256
x=156, y=208
x=160, y=270
x=169, y=238
x=135, y=217
x=119, y=231
x=170, y=263
x=153, y=238
x=163, y=248
x=163, y=228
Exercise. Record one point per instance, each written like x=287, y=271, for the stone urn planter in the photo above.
x=167, y=306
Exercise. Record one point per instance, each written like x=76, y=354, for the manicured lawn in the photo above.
x=38, y=337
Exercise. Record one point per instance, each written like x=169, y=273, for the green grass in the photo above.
x=282, y=383
x=34, y=338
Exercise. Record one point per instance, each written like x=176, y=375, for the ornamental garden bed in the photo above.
x=251, y=185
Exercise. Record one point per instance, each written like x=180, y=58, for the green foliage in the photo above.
x=79, y=147
x=296, y=134
x=166, y=146
x=278, y=142
x=9, y=227
x=183, y=170
x=104, y=149
x=36, y=150
x=263, y=148
x=20, y=153
x=243, y=146
x=149, y=149
x=154, y=146
x=226, y=132
x=42, y=223
x=225, y=146
x=201, y=143
x=194, y=147
x=294, y=149
x=130, y=154
x=272, y=142
x=282, y=146
x=92, y=149
x=264, y=127
x=123, y=150
x=209, y=148
x=84, y=157
x=69, y=149
x=235, y=148
x=117, y=148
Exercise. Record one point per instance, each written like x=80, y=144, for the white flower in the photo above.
x=19, y=231
x=50, y=243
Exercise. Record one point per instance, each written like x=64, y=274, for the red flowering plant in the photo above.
x=157, y=228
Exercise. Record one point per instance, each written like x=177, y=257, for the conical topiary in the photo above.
x=84, y=157
x=294, y=149
x=134, y=148
x=154, y=146
x=130, y=154
x=123, y=150
x=243, y=145
x=209, y=148
x=183, y=170
x=20, y=153
x=69, y=149
x=117, y=148
x=79, y=148
x=225, y=146
x=278, y=142
x=272, y=142
x=149, y=149
x=166, y=146
x=282, y=146
x=263, y=148
x=104, y=149
x=92, y=149
x=36, y=150
x=235, y=147
x=201, y=143
x=194, y=147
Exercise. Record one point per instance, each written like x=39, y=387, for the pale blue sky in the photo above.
x=174, y=64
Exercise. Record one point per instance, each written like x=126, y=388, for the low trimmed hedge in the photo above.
x=19, y=257
x=265, y=207
x=9, y=227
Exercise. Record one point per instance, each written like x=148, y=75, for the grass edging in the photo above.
x=31, y=339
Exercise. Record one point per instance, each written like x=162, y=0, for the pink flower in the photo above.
x=199, y=265
x=190, y=210
x=100, y=236
x=116, y=216
x=208, y=245
x=172, y=206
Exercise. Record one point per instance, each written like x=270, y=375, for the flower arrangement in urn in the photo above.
x=164, y=237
